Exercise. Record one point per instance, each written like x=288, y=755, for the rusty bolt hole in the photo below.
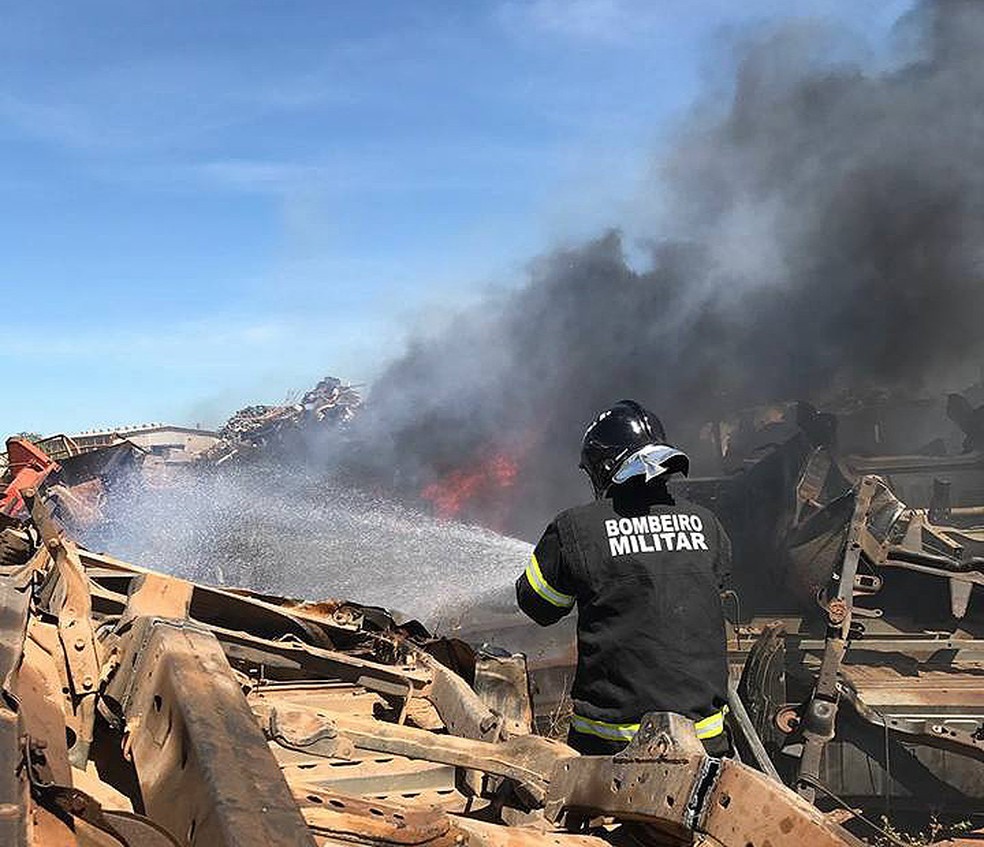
x=376, y=812
x=338, y=804
x=314, y=798
x=616, y=785
x=724, y=801
x=670, y=800
x=158, y=702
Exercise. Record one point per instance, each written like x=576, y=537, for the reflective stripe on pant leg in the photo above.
x=711, y=726
x=602, y=729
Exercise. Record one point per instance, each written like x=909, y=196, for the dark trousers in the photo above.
x=592, y=745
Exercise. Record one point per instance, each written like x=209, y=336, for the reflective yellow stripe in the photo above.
x=534, y=576
x=608, y=731
x=709, y=727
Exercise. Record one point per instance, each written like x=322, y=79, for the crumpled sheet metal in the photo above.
x=226, y=719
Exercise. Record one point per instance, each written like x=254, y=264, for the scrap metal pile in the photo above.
x=254, y=429
x=141, y=710
x=857, y=621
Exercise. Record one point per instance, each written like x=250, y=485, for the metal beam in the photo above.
x=206, y=773
x=15, y=596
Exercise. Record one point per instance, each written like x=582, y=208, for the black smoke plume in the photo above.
x=824, y=235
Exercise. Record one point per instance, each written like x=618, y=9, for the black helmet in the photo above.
x=624, y=441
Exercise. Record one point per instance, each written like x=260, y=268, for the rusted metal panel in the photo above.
x=953, y=687
x=155, y=595
x=664, y=779
x=744, y=809
x=14, y=788
x=374, y=821
x=461, y=709
x=503, y=683
x=75, y=630
x=527, y=760
x=206, y=773
x=237, y=719
x=42, y=717
x=14, y=799
x=367, y=773
x=484, y=833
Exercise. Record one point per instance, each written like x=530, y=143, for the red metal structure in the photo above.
x=29, y=467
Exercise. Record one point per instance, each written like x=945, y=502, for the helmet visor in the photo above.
x=652, y=461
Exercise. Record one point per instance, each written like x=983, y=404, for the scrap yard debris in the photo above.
x=251, y=432
x=142, y=709
x=856, y=643
x=255, y=429
x=857, y=620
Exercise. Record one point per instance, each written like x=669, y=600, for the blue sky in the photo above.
x=213, y=202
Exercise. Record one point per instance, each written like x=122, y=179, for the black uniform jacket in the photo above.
x=645, y=575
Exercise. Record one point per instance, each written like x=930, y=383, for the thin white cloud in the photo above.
x=608, y=21
x=262, y=176
x=64, y=124
x=468, y=164
x=162, y=103
x=216, y=339
x=621, y=22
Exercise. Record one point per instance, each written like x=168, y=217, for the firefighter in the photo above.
x=645, y=571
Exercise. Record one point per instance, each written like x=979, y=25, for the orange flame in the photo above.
x=481, y=484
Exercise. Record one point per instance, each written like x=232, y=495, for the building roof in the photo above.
x=140, y=429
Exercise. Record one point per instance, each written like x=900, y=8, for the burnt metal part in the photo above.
x=821, y=711
x=895, y=759
x=910, y=741
x=15, y=547
x=345, y=817
x=15, y=597
x=665, y=779
x=936, y=731
x=460, y=707
x=225, y=718
x=503, y=684
x=74, y=623
x=762, y=687
x=125, y=828
x=526, y=760
x=744, y=723
x=192, y=735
